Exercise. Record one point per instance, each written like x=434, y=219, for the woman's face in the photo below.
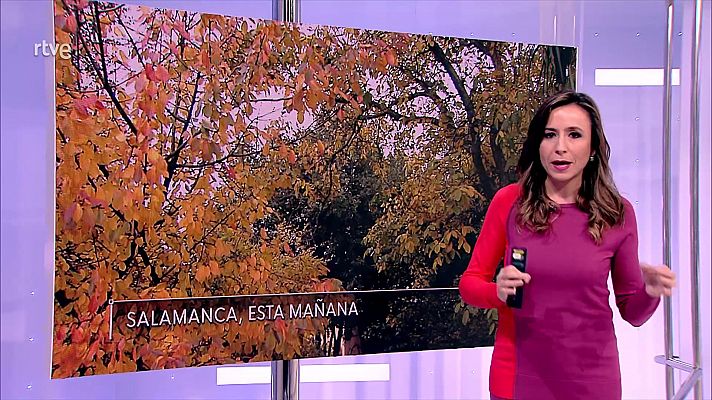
x=566, y=147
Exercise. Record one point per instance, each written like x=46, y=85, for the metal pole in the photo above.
x=286, y=10
x=293, y=379
x=667, y=196
x=285, y=374
x=278, y=380
x=694, y=198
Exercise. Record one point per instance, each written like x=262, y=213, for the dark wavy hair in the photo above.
x=597, y=196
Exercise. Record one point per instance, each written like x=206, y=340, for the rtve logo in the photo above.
x=63, y=50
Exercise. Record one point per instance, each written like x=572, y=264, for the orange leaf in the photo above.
x=77, y=216
x=255, y=275
x=205, y=58
x=93, y=303
x=92, y=350
x=390, y=58
x=151, y=90
x=77, y=335
x=202, y=273
x=61, y=333
x=137, y=174
x=298, y=100
x=89, y=218
x=214, y=267
x=281, y=326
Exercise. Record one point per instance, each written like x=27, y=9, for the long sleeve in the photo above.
x=476, y=286
x=634, y=303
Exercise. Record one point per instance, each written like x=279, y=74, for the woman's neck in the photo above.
x=562, y=192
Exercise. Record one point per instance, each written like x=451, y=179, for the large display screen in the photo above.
x=233, y=190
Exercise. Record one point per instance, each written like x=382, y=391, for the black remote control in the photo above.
x=519, y=261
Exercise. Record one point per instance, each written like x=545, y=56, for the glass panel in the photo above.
x=608, y=34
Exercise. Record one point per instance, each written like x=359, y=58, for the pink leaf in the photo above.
x=60, y=21
x=69, y=213
x=153, y=56
x=150, y=73
x=140, y=83
x=166, y=28
x=71, y=25
x=162, y=73
x=84, y=104
x=181, y=29
x=80, y=4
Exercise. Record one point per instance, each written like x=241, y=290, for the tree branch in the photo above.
x=472, y=124
x=230, y=155
x=105, y=79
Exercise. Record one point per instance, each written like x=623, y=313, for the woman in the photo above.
x=577, y=229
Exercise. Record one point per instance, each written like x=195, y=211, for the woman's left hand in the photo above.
x=659, y=279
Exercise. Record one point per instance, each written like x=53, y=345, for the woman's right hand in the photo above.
x=508, y=280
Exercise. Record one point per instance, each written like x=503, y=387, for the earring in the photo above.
x=591, y=159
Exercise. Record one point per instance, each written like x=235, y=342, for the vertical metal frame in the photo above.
x=671, y=362
x=285, y=374
x=695, y=198
x=667, y=195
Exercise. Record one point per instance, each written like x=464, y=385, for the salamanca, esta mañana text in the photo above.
x=221, y=315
